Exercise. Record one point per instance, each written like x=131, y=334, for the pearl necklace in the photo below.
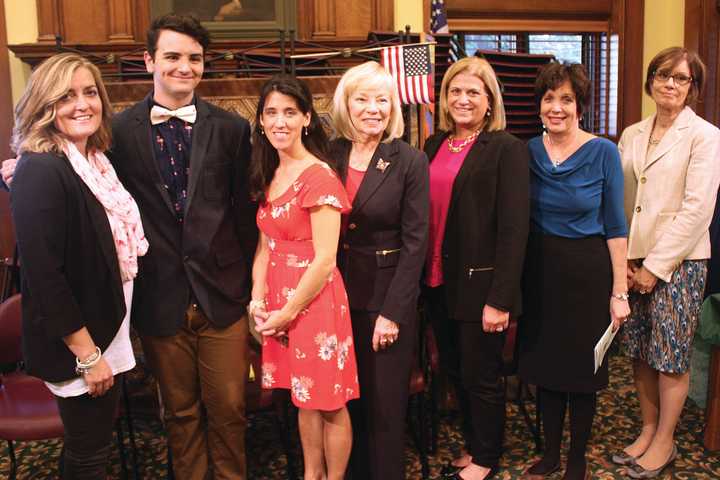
x=458, y=148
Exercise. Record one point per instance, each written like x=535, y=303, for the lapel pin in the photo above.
x=382, y=165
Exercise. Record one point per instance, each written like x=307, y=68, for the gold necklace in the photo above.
x=458, y=148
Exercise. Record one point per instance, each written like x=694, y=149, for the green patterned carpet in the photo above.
x=615, y=425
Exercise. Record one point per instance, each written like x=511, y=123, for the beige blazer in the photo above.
x=670, y=196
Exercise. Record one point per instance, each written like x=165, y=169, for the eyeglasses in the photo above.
x=678, y=78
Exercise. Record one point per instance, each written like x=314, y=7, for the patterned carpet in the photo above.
x=615, y=425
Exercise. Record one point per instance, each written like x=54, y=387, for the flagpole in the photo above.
x=320, y=54
x=375, y=49
x=347, y=52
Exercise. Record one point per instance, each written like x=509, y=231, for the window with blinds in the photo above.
x=598, y=51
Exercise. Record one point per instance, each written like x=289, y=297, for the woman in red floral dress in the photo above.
x=299, y=302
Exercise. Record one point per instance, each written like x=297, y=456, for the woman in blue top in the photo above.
x=575, y=272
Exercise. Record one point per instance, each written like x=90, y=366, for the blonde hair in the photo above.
x=35, y=112
x=368, y=75
x=480, y=68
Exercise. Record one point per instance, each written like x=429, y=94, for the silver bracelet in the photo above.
x=83, y=366
x=621, y=296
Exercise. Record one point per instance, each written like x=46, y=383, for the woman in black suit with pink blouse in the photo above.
x=381, y=256
x=479, y=215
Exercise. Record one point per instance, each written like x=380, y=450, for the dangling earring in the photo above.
x=262, y=132
x=487, y=113
x=306, y=131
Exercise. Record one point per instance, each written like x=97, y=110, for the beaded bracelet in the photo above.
x=84, y=366
x=255, y=304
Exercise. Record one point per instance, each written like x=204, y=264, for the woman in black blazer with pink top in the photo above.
x=381, y=256
x=479, y=214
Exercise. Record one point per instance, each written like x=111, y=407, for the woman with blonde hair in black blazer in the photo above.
x=479, y=205
x=381, y=255
x=79, y=235
x=670, y=161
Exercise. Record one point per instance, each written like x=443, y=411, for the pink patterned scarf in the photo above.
x=121, y=209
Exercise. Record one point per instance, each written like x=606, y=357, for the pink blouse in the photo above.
x=443, y=170
x=352, y=185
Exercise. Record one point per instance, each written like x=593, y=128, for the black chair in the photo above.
x=510, y=365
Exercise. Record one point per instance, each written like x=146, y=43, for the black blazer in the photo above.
x=487, y=225
x=70, y=273
x=383, y=250
x=208, y=256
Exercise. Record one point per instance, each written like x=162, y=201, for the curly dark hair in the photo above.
x=554, y=74
x=185, y=24
x=265, y=159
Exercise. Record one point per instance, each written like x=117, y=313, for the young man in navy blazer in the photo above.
x=184, y=161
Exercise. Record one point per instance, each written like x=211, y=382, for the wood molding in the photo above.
x=325, y=25
x=526, y=25
x=702, y=23
x=586, y=9
x=305, y=14
x=7, y=234
x=49, y=24
x=141, y=11
x=383, y=15
x=121, y=21
x=629, y=23
x=426, y=15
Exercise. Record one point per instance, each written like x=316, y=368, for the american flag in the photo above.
x=438, y=17
x=412, y=70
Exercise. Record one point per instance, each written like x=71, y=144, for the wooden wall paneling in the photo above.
x=353, y=18
x=120, y=17
x=85, y=22
x=702, y=26
x=702, y=22
x=7, y=234
x=628, y=22
x=324, y=25
x=383, y=16
x=305, y=15
x=142, y=19
x=49, y=25
x=426, y=15
x=539, y=8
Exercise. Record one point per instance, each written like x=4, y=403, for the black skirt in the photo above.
x=567, y=285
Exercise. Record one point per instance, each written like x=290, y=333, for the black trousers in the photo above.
x=378, y=416
x=88, y=424
x=472, y=360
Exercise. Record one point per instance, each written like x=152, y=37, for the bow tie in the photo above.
x=159, y=114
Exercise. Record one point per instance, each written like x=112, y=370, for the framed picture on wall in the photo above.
x=234, y=18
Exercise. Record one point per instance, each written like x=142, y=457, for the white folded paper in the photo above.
x=603, y=344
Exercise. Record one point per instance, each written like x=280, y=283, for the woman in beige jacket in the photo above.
x=671, y=164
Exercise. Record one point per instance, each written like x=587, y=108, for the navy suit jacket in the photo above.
x=208, y=256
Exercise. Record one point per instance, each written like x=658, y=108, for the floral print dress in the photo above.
x=317, y=362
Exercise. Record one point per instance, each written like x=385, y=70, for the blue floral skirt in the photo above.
x=662, y=324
